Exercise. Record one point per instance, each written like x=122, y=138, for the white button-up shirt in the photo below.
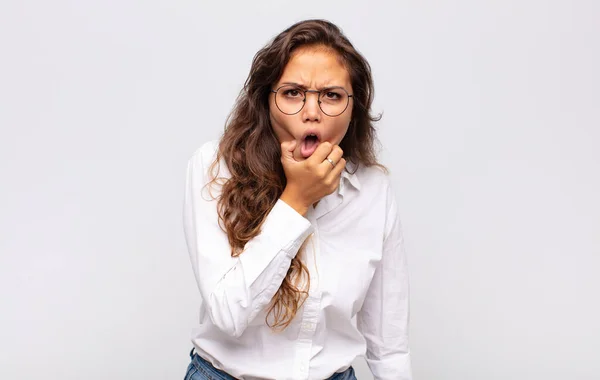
x=357, y=263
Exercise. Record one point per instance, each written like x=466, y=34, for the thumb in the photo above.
x=287, y=150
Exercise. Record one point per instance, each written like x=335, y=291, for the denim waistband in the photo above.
x=211, y=372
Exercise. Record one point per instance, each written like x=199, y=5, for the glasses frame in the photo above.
x=318, y=98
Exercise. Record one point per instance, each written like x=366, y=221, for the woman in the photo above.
x=292, y=226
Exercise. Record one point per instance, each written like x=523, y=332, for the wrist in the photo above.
x=294, y=202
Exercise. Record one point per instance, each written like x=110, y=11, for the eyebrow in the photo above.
x=304, y=87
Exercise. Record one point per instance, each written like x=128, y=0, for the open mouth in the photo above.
x=309, y=145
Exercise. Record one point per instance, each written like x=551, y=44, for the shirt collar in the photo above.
x=349, y=174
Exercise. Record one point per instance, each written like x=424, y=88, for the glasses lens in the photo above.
x=334, y=101
x=289, y=99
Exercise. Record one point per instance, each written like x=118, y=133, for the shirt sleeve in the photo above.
x=384, y=317
x=235, y=289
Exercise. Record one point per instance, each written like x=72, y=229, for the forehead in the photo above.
x=316, y=67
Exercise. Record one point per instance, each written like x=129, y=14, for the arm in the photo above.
x=235, y=289
x=383, y=319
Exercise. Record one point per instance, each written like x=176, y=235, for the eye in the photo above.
x=293, y=92
x=332, y=95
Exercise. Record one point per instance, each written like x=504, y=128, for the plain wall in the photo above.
x=490, y=129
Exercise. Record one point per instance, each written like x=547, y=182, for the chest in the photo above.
x=344, y=251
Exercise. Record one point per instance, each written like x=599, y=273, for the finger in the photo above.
x=321, y=153
x=336, y=172
x=334, y=156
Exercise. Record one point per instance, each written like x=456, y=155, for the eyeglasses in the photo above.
x=290, y=99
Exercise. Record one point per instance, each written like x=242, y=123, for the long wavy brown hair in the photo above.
x=252, y=152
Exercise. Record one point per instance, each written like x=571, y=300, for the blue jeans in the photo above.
x=200, y=369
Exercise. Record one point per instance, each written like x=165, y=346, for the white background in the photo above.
x=491, y=130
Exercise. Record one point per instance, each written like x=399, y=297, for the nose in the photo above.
x=311, y=109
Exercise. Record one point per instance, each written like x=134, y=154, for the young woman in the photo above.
x=292, y=226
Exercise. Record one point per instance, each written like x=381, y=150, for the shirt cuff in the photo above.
x=284, y=230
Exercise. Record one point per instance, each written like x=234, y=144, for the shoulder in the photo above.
x=376, y=184
x=207, y=152
x=374, y=179
x=202, y=160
